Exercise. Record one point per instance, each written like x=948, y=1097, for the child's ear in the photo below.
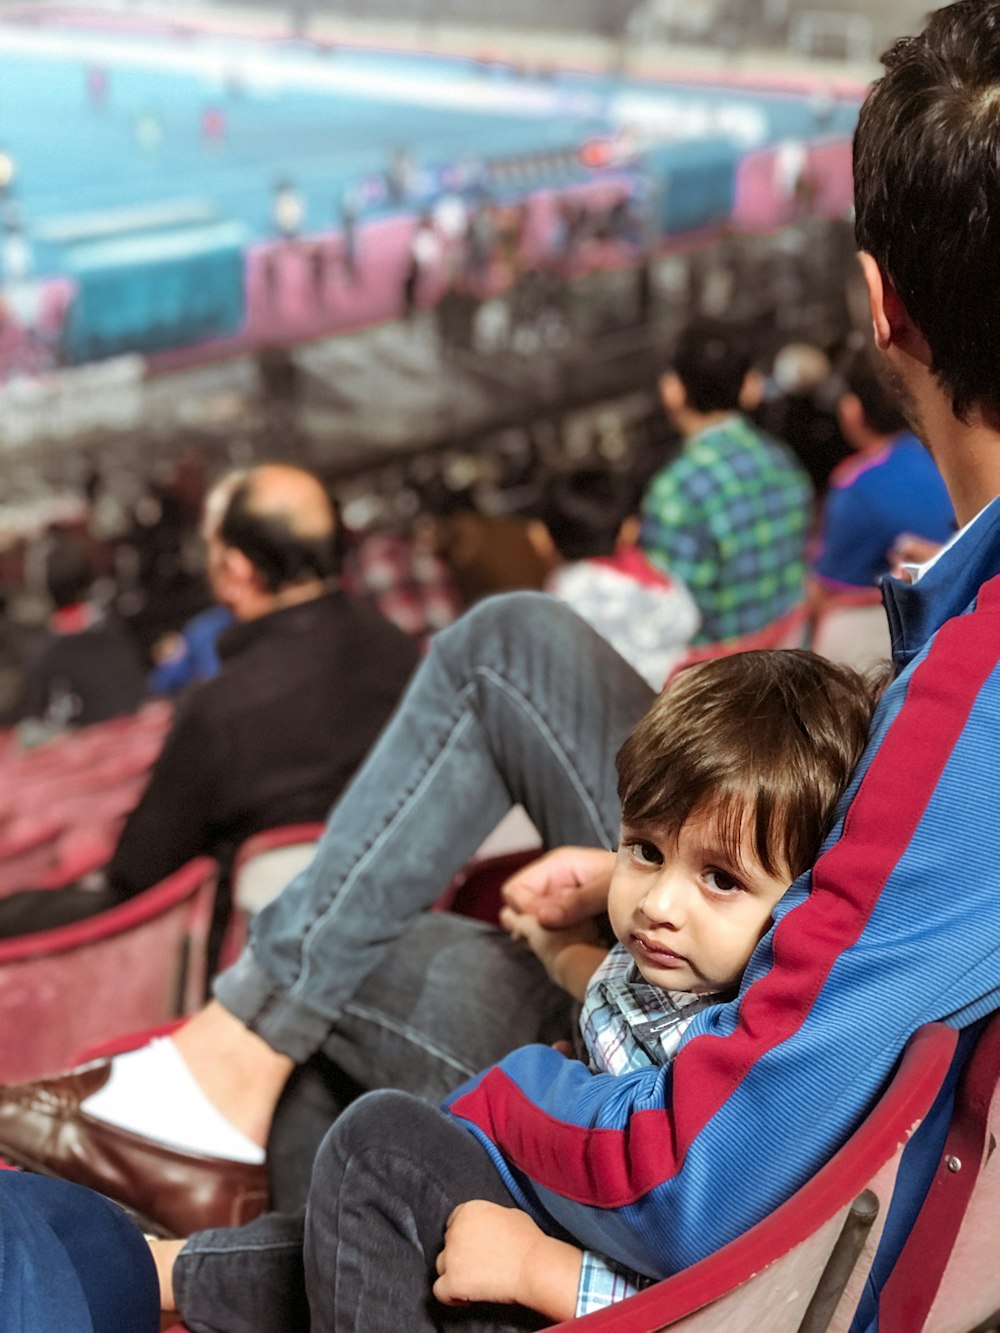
x=541, y=541
x=628, y=533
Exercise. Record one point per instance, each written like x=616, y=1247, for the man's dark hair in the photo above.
x=775, y=733
x=584, y=510
x=279, y=554
x=712, y=366
x=863, y=379
x=927, y=193
x=69, y=571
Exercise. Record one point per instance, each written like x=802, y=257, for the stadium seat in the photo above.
x=852, y=628
x=475, y=890
x=947, y=1279
x=266, y=862
x=263, y=865
x=788, y=631
x=135, y=965
x=804, y=1267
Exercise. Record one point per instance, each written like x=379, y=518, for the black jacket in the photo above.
x=272, y=739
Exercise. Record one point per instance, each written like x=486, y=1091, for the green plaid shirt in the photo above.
x=729, y=517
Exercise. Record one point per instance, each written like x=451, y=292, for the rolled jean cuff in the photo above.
x=252, y=996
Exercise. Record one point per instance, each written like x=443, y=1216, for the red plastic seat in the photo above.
x=136, y=965
x=852, y=628
x=947, y=1279
x=770, y=1277
x=788, y=631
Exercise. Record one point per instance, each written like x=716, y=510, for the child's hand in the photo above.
x=570, y=955
x=544, y=943
x=499, y=1254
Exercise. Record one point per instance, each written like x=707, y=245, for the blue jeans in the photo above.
x=519, y=701
x=361, y=1255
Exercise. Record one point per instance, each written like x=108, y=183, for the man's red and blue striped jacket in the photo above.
x=898, y=924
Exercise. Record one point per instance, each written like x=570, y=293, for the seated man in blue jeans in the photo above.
x=896, y=925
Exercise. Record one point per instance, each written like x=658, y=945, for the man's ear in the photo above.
x=672, y=392
x=877, y=289
x=851, y=417
x=891, y=322
x=239, y=569
x=751, y=391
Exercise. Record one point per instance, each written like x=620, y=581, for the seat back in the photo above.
x=852, y=628
x=946, y=1279
x=135, y=965
x=262, y=867
x=792, y=1271
x=788, y=631
x=266, y=862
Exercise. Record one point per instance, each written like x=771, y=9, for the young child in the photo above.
x=727, y=786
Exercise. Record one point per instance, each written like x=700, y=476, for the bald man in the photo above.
x=308, y=679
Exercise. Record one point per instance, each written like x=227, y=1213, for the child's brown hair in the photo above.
x=775, y=732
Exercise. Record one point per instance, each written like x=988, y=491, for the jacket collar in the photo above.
x=917, y=611
x=297, y=619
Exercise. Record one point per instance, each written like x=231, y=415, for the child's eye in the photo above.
x=646, y=853
x=721, y=881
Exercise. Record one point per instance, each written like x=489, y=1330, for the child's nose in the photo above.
x=663, y=903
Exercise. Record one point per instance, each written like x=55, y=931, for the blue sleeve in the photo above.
x=853, y=548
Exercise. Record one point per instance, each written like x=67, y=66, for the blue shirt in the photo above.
x=874, y=497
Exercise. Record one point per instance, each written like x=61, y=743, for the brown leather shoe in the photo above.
x=174, y=1193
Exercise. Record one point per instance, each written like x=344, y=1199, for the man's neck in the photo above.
x=691, y=423
x=263, y=604
x=967, y=455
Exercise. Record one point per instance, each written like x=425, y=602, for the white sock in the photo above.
x=152, y=1092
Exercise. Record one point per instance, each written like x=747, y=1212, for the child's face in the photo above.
x=686, y=914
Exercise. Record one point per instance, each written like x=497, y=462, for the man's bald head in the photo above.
x=281, y=518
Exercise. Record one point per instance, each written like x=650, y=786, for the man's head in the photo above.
x=728, y=787
x=582, y=513
x=69, y=570
x=271, y=538
x=706, y=377
x=927, y=194
x=867, y=411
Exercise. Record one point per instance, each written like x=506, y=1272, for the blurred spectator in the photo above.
x=424, y=256
x=729, y=515
x=287, y=210
x=185, y=658
x=307, y=682
x=86, y=668
x=799, y=406
x=488, y=553
x=407, y=581
x=646, y=616
x=890, y=486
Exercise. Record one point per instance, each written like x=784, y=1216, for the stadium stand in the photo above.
x=135, y=965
